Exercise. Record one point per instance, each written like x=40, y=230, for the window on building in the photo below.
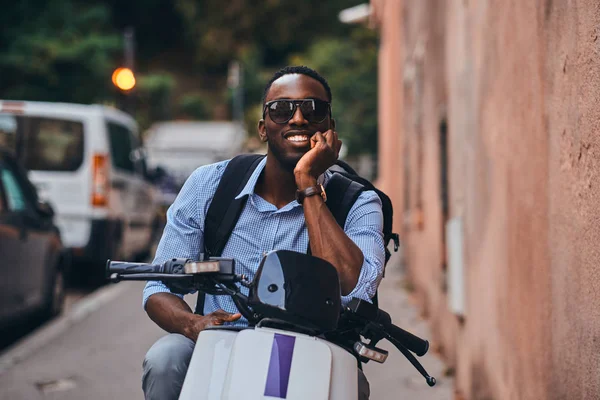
x=445, y=198
x=444, y=193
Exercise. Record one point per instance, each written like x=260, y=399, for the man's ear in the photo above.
x=262, y=131
x=332, y=124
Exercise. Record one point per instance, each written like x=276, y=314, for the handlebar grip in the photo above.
x=408, y=340
x=126, y=268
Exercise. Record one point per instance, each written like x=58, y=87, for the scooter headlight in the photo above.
x=370, y=352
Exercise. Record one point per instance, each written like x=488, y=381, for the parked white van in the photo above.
x=87, y=162
x=182, y=146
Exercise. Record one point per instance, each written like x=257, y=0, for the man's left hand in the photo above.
x=324, y=151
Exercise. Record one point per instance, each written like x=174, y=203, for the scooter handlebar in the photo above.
x=408, y=340
x=126, y=268
x=372, y=313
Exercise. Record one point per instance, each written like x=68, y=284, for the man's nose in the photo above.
x=298, y=118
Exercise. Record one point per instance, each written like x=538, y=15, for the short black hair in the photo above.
x=298, y=69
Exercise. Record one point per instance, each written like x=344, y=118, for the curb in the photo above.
x=51, y=330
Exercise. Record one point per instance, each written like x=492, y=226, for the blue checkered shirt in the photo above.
x=262, y=228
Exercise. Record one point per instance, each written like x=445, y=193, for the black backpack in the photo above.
x=343, y=189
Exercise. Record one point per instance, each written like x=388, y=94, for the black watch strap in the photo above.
x=310, y=191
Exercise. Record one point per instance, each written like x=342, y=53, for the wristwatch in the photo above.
x=310, y=191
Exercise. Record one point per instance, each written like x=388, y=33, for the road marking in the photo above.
x=60, y=385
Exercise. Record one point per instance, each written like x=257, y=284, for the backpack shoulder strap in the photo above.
x=225, y=209
x=386, y=204
x=342, y=192
x=344, y=167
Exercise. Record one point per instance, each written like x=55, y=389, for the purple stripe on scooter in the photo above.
x=278, y=377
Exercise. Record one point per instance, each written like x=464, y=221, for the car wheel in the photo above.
x=58, y=294
x=55, y=299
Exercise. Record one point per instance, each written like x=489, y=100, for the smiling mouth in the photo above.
x=297, y=136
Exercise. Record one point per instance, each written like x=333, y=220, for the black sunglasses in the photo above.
x=281, y=111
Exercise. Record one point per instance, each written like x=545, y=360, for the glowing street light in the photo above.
x=123, y=78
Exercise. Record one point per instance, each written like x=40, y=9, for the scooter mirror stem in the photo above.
x=240, y=300
x=243, y=280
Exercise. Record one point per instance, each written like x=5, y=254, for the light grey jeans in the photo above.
x=167, y=362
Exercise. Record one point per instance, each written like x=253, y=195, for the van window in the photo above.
x=120, y=146
x=8, y=132
x=53, y=145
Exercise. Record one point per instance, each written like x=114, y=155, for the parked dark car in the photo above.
x=32, y=257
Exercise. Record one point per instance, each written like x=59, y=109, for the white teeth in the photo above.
x=298, y=138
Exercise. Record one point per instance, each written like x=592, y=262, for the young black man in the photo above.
x=299, y=131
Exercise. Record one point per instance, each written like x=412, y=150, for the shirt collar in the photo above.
x=251, y=184
x=249, y=188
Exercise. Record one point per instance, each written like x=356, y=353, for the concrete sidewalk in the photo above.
x=397, y=378
x=95, y=351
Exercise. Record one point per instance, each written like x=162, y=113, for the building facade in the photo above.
x=490, y=148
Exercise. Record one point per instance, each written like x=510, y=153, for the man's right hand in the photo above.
x=174, y=315
x=197, y=323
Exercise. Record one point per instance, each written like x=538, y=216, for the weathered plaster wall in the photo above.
x=519, y=84
x=390, y=101
x=572, y=119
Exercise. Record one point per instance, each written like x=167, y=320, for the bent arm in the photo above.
x=329, y=242
x=356, y=251
x=170, y=312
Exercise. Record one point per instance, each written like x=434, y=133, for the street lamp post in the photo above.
x=124, y=77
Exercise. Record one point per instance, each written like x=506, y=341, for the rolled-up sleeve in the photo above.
x=364, y=226
x=183, y=236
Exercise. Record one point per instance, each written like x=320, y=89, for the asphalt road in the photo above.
x=96, y=357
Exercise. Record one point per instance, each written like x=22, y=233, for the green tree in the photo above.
x=350, y=67
x=56, y=51
x=194, y=106
x=221, y=31
x=153, y=94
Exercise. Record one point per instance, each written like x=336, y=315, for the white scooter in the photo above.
x=300, y=344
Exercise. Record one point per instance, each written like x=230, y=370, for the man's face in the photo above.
x=283, y=139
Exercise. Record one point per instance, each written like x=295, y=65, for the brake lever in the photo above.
x=428, y=378
x=375, y=332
